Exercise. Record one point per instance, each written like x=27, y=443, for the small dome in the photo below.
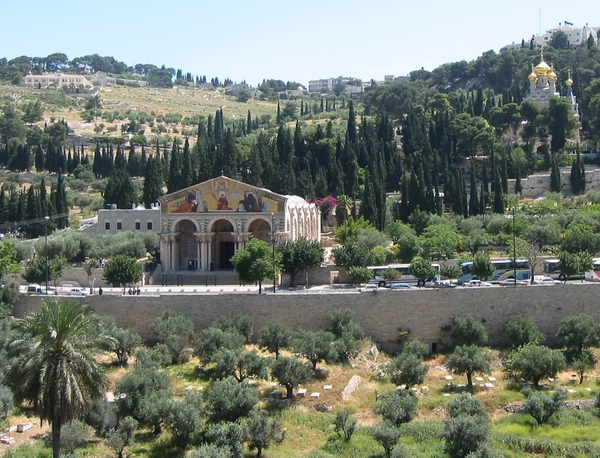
x=552, y=76
x=569, y=82
x=532, y=77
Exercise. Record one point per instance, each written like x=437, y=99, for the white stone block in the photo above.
x=449, y=378
x=22, y=427
x=424, y=389
x=315, y=395
x=479, y=379
x=302, y=392
x=328, y=387
x=492, y=379
x=489, y=385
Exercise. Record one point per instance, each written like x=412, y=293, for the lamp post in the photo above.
x=514, y=247
x=273, y=245
x=46, y=219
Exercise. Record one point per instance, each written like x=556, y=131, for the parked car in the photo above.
x=474, y=282
x=399, y=286
x=545, y=281
x=75, y=292
x=511, y=282
x=369, y=287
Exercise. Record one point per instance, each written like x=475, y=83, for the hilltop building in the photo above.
x=576, y=36
x=57, y=79
x=542, y=86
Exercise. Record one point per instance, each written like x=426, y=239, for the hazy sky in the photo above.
x=279, y=39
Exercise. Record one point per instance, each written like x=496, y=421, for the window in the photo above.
x=149, y=225
x=119, y=225
x=107, y=225
x=138, y=225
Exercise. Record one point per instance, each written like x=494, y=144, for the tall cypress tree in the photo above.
x=555, y=179
x=473, y=198
x=175, y=170
x=153, y=179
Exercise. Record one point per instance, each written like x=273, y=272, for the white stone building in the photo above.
x=203, y=226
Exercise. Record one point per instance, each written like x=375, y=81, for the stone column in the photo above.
x=209, y=250
x=165, y=253
x=199, y=249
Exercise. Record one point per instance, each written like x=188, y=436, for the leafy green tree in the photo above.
x=579, y=333
x=571, y=264
x=236, y=322
x=439, y=241
x=126, y=341
x=229, y=400
x=482, y=266
x=240, y=365
x=422, y=269
x=122, y=270
x=534, y=362
x=289, y=373
x=210, y=451
x=211, y=340
x=184, y=418
x=274, y=337
x=175, y=331
x=154, y=409
x=466, y=404
x=344, y=424
x=122, y=436
x=522, y=330
x=74, y=435
x=583, y=363
x=315, y=346
x=359, y=275
x=261, y=431
x=542, y=406
x=58, y=370
x=300, y=255
x=229, y=436
x=137, y=385
x=464, y=435
x=8, y=259
x=351, y=254
x=255, y=263
x=396, y=407
x=6, y=402
x=407, y=368
x=387, y=436
x=468, y=330
x=467, y=360
x=347, y=332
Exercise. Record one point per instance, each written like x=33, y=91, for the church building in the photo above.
x=202, y=226
x=542, y=86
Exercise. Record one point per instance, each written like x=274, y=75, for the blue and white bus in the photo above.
x=502, y=267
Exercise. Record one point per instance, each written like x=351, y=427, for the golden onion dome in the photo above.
x=552, y=76
x=569, y=82
x=532, y=76
x=542, y=69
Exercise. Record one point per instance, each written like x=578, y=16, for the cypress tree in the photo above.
x=368, y=208
x=555, y=180
x=153, y=179
x=498, y=195
x=175, y=170
x=518, y=185
x=473, y=198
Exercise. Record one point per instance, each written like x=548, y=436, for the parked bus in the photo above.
x=552, y=270
x=404, y=277
x=502, y=266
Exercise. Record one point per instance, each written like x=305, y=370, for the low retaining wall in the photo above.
x=425, y=313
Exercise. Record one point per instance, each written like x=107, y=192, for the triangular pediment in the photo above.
x=222, y=194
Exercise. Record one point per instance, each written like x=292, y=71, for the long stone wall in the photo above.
x=381, y=314
x=537, y=185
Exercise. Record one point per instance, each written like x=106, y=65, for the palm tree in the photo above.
x=57, y=370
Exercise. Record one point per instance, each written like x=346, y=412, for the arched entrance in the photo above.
x=187, y=246
x=224, y=244
x=260, y=229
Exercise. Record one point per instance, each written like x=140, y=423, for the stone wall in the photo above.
x=537, y=185
x=381, y=314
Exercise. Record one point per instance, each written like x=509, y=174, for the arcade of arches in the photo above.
x=204, y=225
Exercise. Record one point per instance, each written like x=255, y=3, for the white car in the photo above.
x=369, y=287
x=546, y=281
x=477, y=283
x=400, y=286
x=75, y=292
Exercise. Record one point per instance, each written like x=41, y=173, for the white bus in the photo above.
x=552, y=270
x=503, y=266
x=405, y=276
